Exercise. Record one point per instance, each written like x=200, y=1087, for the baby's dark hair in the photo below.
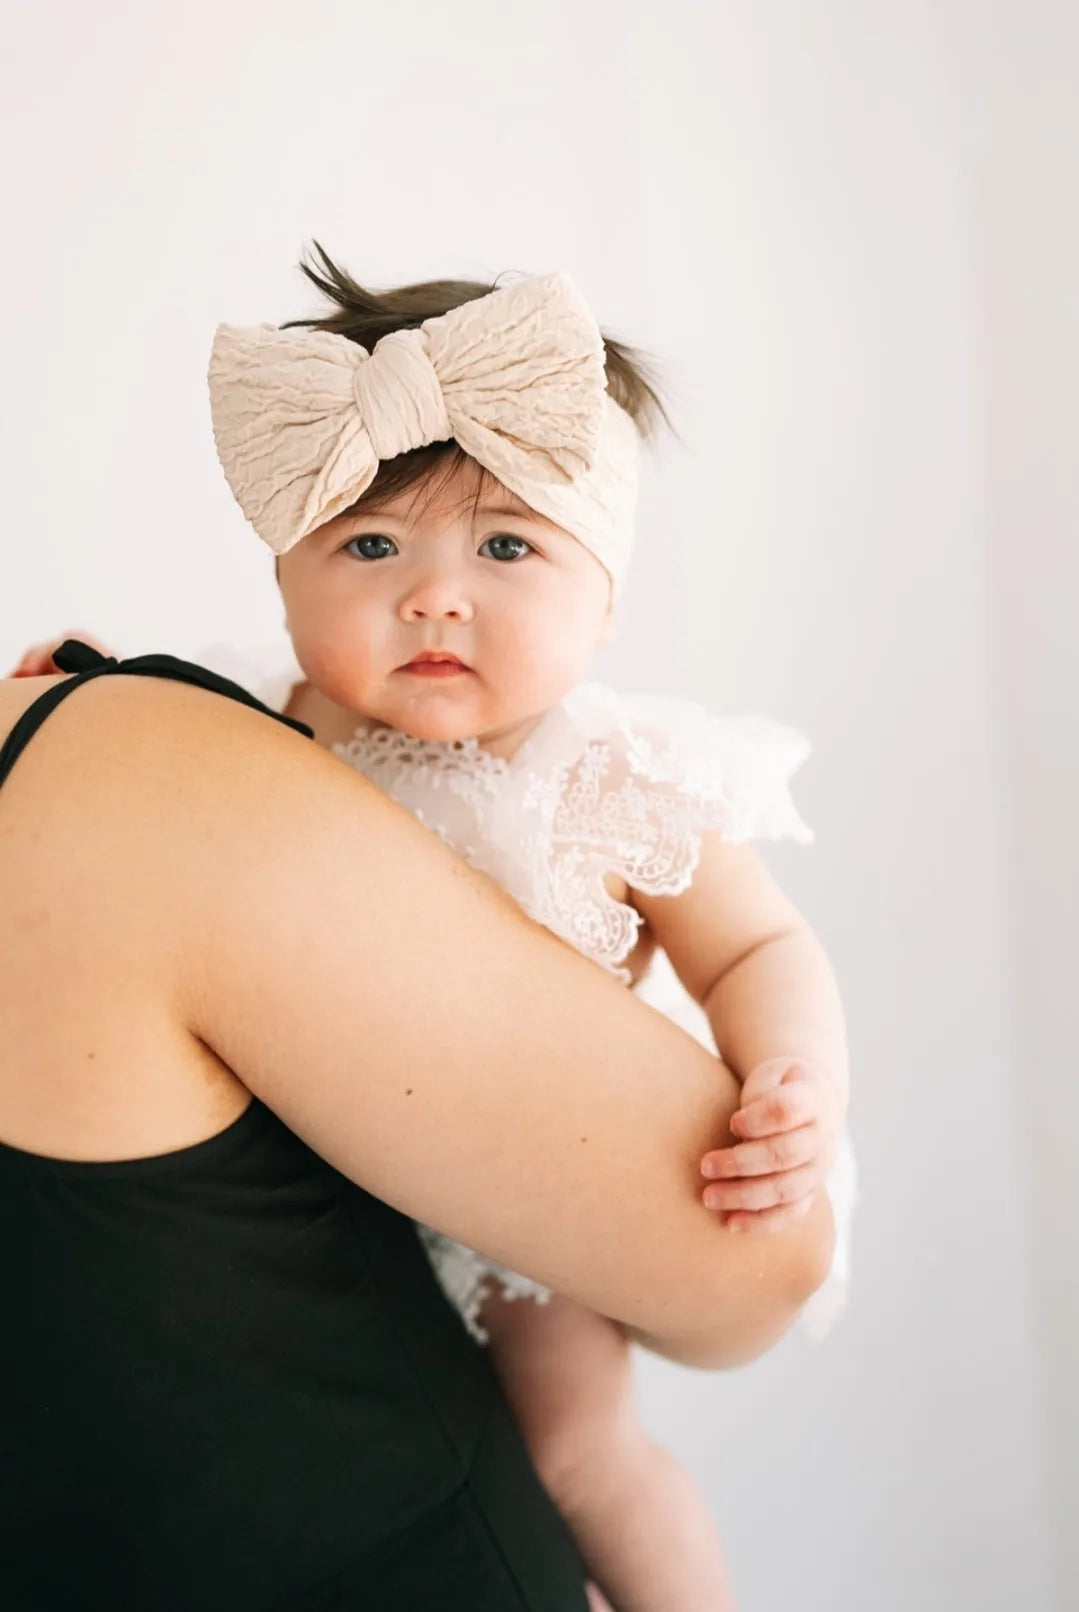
x=366, y=316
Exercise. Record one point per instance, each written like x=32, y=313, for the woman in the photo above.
x=227, y=1379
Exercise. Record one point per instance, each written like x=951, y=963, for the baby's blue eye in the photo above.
x=505, y=547
x=371, y=546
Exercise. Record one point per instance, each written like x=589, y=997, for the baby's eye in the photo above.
x=371, y=546
x=506, y=547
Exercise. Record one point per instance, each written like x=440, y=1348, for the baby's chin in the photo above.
x=439, y=717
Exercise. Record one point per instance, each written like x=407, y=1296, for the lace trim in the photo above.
x=379, y=750
x=468, y=1279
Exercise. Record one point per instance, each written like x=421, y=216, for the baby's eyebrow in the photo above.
x=514, y=507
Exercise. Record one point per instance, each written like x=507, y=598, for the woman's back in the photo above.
x=227, y=1378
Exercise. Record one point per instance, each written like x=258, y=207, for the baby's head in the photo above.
x=460, y=594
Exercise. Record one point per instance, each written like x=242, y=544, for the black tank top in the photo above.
x=230, y=1383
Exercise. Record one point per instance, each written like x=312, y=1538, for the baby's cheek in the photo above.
x=339, y=663
x=549, y=654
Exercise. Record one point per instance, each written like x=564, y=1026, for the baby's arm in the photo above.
x=744, y=952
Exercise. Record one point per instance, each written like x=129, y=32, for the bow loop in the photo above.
x=522, y=372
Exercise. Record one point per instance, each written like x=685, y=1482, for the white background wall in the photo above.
x=1026, y=227
x=849, y=229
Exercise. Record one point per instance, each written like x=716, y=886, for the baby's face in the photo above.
x=517, y=600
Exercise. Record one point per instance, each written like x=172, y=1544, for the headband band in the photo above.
x=303, y=418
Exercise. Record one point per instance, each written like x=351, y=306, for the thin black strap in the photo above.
x=87, y=663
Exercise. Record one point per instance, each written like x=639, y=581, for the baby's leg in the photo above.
x=640, y=1522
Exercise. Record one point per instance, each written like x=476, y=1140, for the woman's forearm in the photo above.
x=738, y=1334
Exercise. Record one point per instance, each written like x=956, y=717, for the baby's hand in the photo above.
x=37, y=661
x=788, y=1130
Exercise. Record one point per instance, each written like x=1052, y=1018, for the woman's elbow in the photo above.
x=784, y=1290
x=816, y=1252
x=755, y=1296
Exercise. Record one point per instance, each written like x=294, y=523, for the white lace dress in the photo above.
x=606, y=784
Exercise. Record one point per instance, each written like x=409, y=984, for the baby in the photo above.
x=447, y=474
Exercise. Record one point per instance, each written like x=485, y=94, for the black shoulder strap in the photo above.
x=87, y=663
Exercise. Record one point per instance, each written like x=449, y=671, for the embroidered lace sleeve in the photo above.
x=652, y=776
x=677, y=766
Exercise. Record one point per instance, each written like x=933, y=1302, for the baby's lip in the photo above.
x=436, y=657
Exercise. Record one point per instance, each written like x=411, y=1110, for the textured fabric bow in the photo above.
x=302, y=418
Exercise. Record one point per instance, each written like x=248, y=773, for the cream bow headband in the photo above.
x=302, y=418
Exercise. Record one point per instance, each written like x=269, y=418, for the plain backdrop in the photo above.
x=848, y=230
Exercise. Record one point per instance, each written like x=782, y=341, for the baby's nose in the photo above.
x=437, y=599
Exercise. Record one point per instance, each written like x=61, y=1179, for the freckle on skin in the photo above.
x=408, y=1091
x=584, y=1139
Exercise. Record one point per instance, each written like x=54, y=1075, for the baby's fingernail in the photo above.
x=710, y=1168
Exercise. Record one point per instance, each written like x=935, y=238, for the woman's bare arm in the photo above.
x=402, y=1016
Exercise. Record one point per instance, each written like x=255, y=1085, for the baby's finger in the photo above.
x=770, y=1220
x=762, y=1191
x=782, y=1110
x=37, y=660
x=783, y=1152
x=34, y=662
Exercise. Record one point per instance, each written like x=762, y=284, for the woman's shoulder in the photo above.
x=17, y=694
x=155, y=737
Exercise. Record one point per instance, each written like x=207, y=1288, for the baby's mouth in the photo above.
x=435, y=663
